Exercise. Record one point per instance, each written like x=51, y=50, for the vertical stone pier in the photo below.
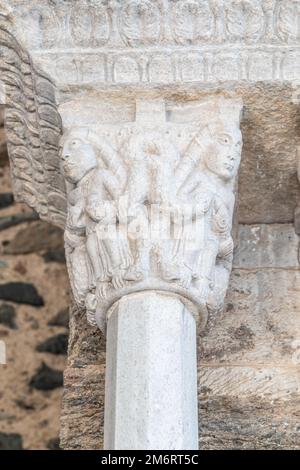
x=151, y=375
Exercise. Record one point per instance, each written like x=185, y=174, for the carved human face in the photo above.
x=78, y=158
x=223, y=153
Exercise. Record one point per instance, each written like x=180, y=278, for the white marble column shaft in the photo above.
x=151, y=376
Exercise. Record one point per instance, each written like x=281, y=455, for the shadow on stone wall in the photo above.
x=34, y=321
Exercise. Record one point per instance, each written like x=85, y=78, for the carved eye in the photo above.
x=74, y=143
x=224, y=139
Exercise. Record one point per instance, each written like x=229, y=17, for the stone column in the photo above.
x=151, y=375
x=144, y=187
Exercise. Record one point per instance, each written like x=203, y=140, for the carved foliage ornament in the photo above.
x=150, y=204
x=135, y=23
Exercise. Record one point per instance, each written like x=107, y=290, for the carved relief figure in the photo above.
x=152, y=160
x=210, y=188
x=95, y=179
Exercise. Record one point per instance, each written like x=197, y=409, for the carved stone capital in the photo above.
x=150, y=203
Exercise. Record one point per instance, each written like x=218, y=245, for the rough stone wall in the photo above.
x=248, y=362
x=248, y=359
x=33, y=323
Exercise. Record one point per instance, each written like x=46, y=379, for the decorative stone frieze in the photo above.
x=161, y=41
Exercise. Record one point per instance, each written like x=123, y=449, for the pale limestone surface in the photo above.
x=161, y=41
x=184, y=51
x=151, y=375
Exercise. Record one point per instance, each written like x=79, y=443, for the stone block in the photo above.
x=266, y=246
